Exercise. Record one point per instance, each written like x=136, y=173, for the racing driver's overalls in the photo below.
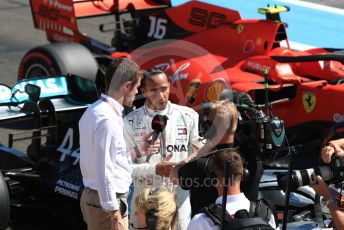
x=180, y=133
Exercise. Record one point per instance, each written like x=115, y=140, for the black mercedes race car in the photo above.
x=45, y=176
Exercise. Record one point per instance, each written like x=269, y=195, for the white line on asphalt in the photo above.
x=315, y=6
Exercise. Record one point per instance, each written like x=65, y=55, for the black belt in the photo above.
x=121, y=194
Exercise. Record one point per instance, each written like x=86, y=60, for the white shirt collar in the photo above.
x=113, y=103
x=152, y=113
x=231, y=198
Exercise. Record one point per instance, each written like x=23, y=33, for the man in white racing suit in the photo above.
x=178, y=138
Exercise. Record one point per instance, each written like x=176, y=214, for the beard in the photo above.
x=160, y=105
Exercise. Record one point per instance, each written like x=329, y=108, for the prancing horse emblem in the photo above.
x=309, y=100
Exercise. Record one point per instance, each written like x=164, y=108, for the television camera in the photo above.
x=258, y=132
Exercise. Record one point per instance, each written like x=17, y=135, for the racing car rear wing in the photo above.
x=58, y=17
x=90, y=8
x=50, y=87
x=66, y=93
x=41, y=102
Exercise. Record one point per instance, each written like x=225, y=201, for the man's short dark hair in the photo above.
x=149, y=73
x=236, y=164
x=121, y=70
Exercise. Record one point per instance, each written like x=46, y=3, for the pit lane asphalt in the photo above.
x=17, y=36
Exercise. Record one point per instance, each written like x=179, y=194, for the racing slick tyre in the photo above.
x=4, y=204
x=58, y=59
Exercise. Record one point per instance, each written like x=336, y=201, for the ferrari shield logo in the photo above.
x=309, y=100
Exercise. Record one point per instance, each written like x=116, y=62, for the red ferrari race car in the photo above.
x=204, y=48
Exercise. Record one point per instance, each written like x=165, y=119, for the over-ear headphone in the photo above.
x=207, y=129
x=210, y=165
x=152, y=215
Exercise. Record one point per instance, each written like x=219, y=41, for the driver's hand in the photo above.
x=146, y=147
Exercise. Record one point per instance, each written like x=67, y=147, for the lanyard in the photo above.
x=114, y=109
x=107, y=101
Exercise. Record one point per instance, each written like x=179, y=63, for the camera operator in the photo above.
x=332, y=147
x=237, y=205
x=193, y=174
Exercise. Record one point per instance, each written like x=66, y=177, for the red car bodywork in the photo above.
x=213, y=48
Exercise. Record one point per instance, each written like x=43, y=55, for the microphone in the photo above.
x=158, y=125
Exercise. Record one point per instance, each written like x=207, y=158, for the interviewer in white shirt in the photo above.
x=104, y=159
